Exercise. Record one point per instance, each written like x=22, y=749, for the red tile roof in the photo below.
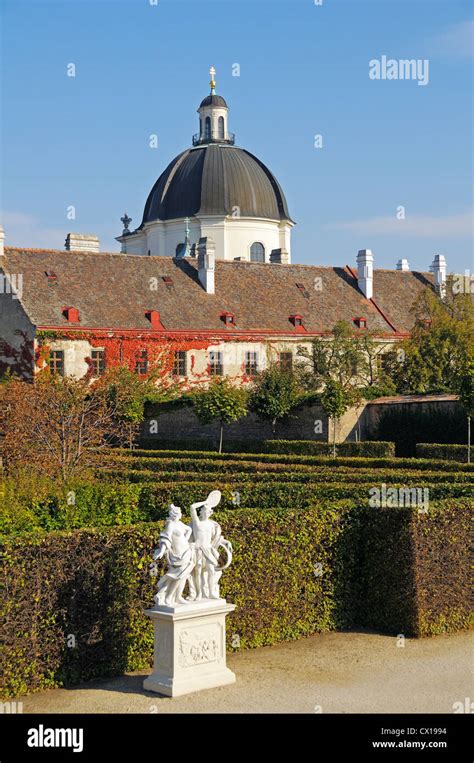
x=115, y=291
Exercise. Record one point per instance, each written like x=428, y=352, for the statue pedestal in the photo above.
x=189, y=650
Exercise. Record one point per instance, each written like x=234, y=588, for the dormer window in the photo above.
x=71, y=314
x=228, y=319
x=361, y=323
x=296, y=320
x=154, y=317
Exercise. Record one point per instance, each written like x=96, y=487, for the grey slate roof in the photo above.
x=212, y=179
x=214, y=100
x=113, y=291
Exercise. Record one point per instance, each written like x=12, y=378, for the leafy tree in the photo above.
x=338, y=357
x=127, y=392
x=55, y=427
x=335, y=401
x=221, y=401
x=275, y=393
x=351, y=358
x=435, y=357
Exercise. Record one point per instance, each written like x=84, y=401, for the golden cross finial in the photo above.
x=212, y=72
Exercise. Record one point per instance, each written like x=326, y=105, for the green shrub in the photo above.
x=369, y=448
x=445, y=452
x=86, y=504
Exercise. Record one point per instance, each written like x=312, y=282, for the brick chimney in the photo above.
x=82, y=242
x=365, y=270
x=206, y=264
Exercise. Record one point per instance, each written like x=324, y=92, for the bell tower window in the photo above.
x=257, y=252
x=207, y=129
x=220, y=128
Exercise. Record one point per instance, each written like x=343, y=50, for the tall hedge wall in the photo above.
x=72, y=603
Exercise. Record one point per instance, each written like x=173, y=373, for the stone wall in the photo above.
x=426, y=404
x=306, y=423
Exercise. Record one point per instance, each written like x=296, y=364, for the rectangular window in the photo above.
x=179, y=368
x=285, y=360
x=98, y=362
x=141, y=365
x=56, y=362
x=216, y=367
x=251, y=363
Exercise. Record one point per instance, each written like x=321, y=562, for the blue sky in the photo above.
x=142, y=69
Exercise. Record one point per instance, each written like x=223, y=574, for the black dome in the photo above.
x=214, y=100
x=213, y=179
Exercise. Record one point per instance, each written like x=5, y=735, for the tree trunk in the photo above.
x=334, y=438
x=220, y=440
x=468, y=439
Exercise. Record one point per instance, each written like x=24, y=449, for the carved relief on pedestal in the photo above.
x=200, y=645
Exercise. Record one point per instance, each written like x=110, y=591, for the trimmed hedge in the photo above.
x=99, y=505
x=415, y=569
x=314, y=475
x=193, y=460
x=446, y=452
x=370, y=448
x=207, y=445
x=156, y=497
x=72, y=606
x=367, y=449
x=95, y=505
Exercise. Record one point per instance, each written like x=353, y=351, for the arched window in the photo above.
x=257, y=252
x=207, y=133
x=221, y=128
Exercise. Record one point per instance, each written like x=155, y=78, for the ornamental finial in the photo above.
x=126, y=220
x=212, y=83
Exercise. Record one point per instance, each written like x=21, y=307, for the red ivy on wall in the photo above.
x=121, y=349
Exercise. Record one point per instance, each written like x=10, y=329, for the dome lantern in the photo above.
x=213, y=117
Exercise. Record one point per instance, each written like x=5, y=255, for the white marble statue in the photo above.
x=180, y=554
x=192, y=552
x=207, y=538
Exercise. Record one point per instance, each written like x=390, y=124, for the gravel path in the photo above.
x=352, y=672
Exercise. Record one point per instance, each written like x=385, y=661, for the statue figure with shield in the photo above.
x=193, y=554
